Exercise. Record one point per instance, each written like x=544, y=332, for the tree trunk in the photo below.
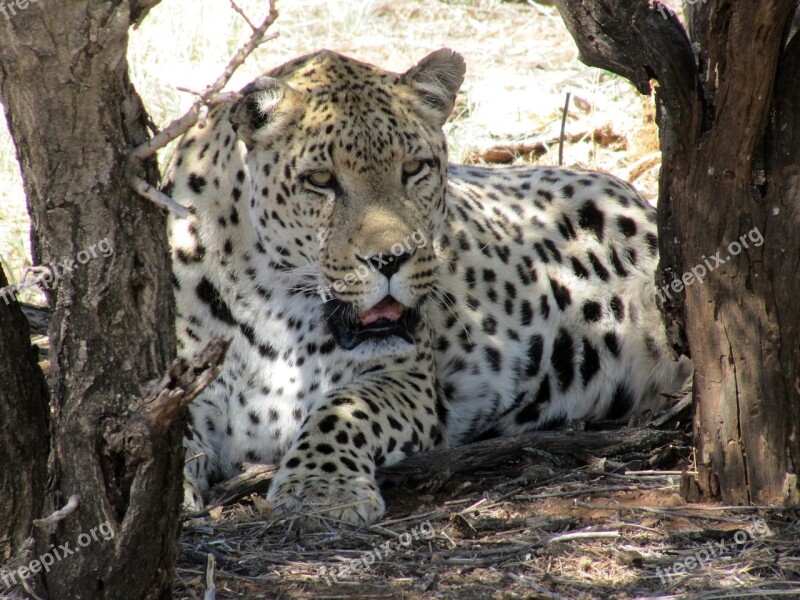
x=24, y=415
x=728, y=216
x=74, y=115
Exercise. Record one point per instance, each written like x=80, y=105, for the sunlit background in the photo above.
x=521, y=62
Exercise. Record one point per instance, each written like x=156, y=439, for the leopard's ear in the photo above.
x=265, y=103
x=436, y=79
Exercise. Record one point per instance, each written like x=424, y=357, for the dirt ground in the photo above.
x=536, y=526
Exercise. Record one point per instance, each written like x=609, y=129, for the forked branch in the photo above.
x=209, y=97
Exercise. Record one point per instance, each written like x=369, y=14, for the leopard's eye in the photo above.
x=322, y=179
x=412, y=167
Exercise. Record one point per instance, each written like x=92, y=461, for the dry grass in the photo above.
x=570, y=526
x=523, y=531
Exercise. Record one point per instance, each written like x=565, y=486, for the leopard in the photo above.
x=380, y=301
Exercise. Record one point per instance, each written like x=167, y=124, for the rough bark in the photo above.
x=728, y=119
x=74, y=115
x=24, y=415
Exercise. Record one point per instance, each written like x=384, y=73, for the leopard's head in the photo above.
x=348, y=167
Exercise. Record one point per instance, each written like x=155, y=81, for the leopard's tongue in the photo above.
x=388, y=308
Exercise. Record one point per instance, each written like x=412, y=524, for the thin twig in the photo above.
x=563, y=126
x=475, y=506
x=28, y=589
x=209, y=97
x=39, y=272
x=186, y=90
x=211, y=589
x=581, y=535
x=70, y=507
x=156, y=196
x=235, y=7
x=181, y=125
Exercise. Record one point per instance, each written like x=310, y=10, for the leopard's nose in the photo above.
x=386, y=263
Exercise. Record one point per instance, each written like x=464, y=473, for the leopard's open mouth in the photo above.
x=388, y=318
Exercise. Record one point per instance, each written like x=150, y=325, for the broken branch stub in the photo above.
x=165, y=401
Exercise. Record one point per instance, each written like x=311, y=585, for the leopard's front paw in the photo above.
x=323, y=502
